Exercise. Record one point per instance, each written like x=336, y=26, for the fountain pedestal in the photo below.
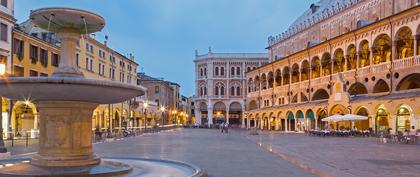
x=65, y=134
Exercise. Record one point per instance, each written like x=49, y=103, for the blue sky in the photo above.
x=163, y=34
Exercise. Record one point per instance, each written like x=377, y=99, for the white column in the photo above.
x=197, y=113
x=286, y=125
x=416, y=38
x=227, y=114
x=210, y=116
x=36, y=121
x=243, y=118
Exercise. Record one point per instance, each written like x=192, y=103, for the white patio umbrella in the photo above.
x=352, y=117
x=335, y=118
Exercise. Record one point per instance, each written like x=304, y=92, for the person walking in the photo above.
x=221, y=127
x=226, y=127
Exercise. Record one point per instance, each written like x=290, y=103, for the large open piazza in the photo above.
x=210, y=88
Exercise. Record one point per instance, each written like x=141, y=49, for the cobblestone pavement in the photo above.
x=344, y=157
x=222, y=155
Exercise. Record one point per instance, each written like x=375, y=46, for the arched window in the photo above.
x=238, y=71
x=205, y=90
x=216, y=72
x=201, y=71
x=238, y=91
x=216, y=90
x=232, y=71
x=201, y=91
x=222, y=71
x=222, y=90
x=232, y=91
x=205, y=71
x=248, y=69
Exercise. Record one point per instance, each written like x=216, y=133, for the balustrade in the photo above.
x=407, y=62
x=380, y=68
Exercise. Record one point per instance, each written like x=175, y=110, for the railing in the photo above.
x=379, y=68
x=252, y=94
x=304, y=84
x=364, y=71
x=267, y=91
x=350, y=73
x=407, y=62
x=282, y=88
x=295, y=85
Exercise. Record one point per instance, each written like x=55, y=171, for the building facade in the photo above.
x=161, y=92
x=220, y=86
x=36, y=53
x=358, y=57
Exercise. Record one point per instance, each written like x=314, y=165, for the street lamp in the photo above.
x=145, y=105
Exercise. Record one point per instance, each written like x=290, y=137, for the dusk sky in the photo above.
x=163, y=34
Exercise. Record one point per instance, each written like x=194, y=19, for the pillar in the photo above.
x=210, y=116
x=357, y=61
x=371, y=56
x=197, y=113
x=35, y=120
x=393, y=124
x=416, y=48
x=287, y=125
x=227, y=114
x=277, y=123
x=65, y=130
x=269, y=123
x=316, y=123
x=394, y=51
x=243, y=118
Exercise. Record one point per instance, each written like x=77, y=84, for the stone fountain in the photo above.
x=66, y=102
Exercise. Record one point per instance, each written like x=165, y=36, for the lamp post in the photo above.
x=2, y=148
x=145, y=105
x=162, y=110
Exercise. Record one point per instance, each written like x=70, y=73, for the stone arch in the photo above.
x=24, y=117
x=304, y=71
x=303, y=97
x=203, y=106
x=320, y=94
x=364, y=54
x=409, y=82
x=403, y=118
x=316, y=67
x=257, y=83
x=291, y=121
x=252, y=105
x=235, y=109
x=362, y=124
x=321, y=113
x=295, y=98
x=338, y=109
x=351, y=57
x=326, y=64
x=286, y=75
x=404, y=43
x=270, y=79
x=250, y=85
x=380, y=86
x=339, y=60
x=310, y=119
x=382, y=122
x=382, y=46
x=278, y=77
x=357, y=89
x=219, y=106
x=263, y=81
x=295, y=73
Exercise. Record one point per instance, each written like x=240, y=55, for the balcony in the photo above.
x=381, y=68
x=407, y=62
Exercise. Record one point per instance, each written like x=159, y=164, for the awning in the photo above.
x=334, y=118
x=352, y=117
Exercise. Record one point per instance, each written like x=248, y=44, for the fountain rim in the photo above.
x=41, y=10
x=69, y=80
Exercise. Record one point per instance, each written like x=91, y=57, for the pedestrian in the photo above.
x=226, y=127
x=221, y=127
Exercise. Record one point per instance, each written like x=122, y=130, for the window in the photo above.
x=201, y=91
x=123, y=77
x=103, y=70
x=238, y=71
x=87, y=63
x=43, y=74
x=222, y=90
x=157, y=102
x=222, y=71
x=232, y=91
x=216, y=91
x=77, y=59
x=201, y=71
x=100, y=69
x=216, y=71
x=18, y=71
x=248, y=69
x=91, y=64
x=56, y=59
x=33, y=73
x=238, y=91
x=3, y=29
x=87, y=46
x=232, y=71
x=91, y=48
x=205, y=90
x=4, y=3
x=156, y=89
x=43, y=57
x=205, y=71
x=18, y=48
x=33, y=53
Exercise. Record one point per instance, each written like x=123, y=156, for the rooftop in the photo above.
x=210, y=54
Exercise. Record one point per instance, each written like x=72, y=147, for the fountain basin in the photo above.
x=115, y=166
x=69, y=89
